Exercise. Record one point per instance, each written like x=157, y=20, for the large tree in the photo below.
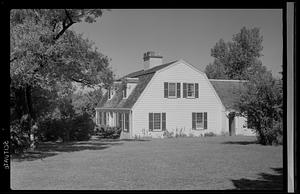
x=234, y=59
x=261, y=102
x=47, y=55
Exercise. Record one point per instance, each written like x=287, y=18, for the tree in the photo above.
x=261, y=103
x=234, y=59
x=86, y=102
x=45, y=53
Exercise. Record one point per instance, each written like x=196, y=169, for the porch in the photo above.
x=115, y=118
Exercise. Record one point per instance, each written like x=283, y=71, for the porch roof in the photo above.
x=229, y=92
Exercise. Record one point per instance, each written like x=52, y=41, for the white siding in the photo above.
x=241, y=127
x=178, y=110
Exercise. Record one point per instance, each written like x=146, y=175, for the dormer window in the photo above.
x=111, y=93
x=124, y=91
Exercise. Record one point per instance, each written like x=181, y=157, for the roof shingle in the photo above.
x=229, y=91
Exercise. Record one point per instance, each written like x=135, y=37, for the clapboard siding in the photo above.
x=178, y=110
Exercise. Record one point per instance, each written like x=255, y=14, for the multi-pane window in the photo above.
x=124, y=91
x=123, y=121
x=191, y=90
x=199, y=120
x=156, y=124
x=172, y=89
x=157, y=121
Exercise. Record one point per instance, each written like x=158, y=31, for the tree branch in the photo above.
x=65, y=27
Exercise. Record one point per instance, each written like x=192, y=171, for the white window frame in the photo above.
x=111, y=93
x=160, y=122
x=175, y=89
x=123, y=95
x=198, y=124
x=187, y=90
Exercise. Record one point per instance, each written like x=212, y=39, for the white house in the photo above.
x=174, y=97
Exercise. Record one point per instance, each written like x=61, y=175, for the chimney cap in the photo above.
x=151, y=54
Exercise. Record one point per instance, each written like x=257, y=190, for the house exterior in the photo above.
x=174, y=97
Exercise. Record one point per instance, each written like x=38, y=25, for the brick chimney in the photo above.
x=151, y=60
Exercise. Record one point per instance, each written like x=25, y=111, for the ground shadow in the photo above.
x=266, y=181
x=48, y=149
x=240, y=142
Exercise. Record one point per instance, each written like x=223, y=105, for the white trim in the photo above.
x=103, y=108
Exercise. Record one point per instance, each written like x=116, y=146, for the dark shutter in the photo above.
x=193, y=120
x=166, y=89
x=178, y=90
x=163, y=122
x=150, y=121
x=184, y=90
x=196, y=90
x=205, y=120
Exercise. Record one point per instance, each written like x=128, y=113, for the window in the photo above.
x=156, y=124
x=124, y=92
x=172, y=90
x=199, y=120
x=191, y=90
x=126, y=122
x=104, y=118
x=123, y=121
x=99, y=118
x=157, y=121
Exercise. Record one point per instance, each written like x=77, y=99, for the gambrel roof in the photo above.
x=117, y=100
x=228, y=90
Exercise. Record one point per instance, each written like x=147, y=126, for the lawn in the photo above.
x=174, y=163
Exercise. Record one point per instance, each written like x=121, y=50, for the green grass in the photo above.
x=173, y=163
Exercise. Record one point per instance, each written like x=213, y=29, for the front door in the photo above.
x=231, y=124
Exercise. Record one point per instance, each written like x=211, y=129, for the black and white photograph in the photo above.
x=148, y=99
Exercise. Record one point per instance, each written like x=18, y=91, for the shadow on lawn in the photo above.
x=47, y=149
x=240, y=142
x=265, y=182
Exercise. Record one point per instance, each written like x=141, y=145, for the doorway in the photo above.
x=231, y=124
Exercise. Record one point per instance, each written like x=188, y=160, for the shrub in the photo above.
x=81, y=127
x=19, y=137
x=223, y=133
x=78, y=128
x=168, y=134
x=191, y=135
x=271, y=136
x=111, y=132
x=210, y=134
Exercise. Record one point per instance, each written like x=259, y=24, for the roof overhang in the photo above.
x=113, y=109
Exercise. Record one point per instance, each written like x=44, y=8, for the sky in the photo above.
x=124, y=35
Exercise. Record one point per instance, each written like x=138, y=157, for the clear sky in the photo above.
x=189, y=34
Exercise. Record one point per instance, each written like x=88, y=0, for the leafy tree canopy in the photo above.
x=234, y=59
